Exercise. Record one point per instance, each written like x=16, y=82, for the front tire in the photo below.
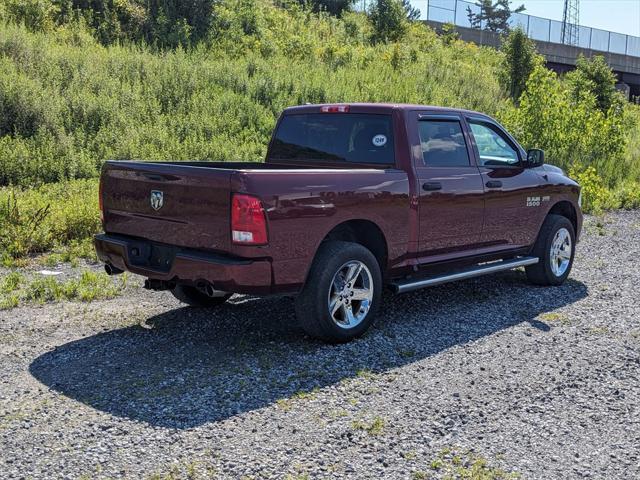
x=555, y=248
x=340, y=299
x=195, y=298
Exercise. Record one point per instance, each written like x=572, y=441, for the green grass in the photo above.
x=71, y=254
x=374, y=427
x=287, y=404
x=452, y=463
x=15, y=289
x=11, y=282
x=9, y=290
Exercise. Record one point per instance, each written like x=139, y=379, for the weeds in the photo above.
x=373, y=428
x=406, y=352
x=599, y=330
x=68, y=103
x=68, y=106
x=410, y=455
x=15, y=289
x=60, y=216
x=365, y=374
x=451, y=463
x=71, y=254
x=11, y=282
x=554, y=317
x=287, y=404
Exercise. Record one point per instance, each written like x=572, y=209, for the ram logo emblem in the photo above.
x=157, y=199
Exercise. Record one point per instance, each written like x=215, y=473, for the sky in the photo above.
x=621, y=16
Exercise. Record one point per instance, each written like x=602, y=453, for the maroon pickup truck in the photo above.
x=352, y=198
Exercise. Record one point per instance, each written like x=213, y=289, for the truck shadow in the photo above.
x=193, y=367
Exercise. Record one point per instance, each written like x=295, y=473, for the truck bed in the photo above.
x=196, y=196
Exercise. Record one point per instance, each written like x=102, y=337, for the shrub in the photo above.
x=596, y=197
x=164, y=23
x=627, y=195
x=81, y=103
x=630, y=163
x=39, y=219
x=19, y=229
x=25, y=106
x=67, y=102
x=572, y=130
x=593, y=76
x=389, y=20
x=37, y=15
x=449, y=34
x=519, y=62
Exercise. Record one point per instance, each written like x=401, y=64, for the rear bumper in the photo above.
x=166, y=262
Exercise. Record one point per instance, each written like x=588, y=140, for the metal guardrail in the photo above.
x=537, y=28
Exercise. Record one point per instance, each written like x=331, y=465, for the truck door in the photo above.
x=450, y=201
x=514, y=203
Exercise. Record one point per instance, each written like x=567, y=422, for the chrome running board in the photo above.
x=475, y=271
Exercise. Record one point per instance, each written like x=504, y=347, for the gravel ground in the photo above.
x=542, y=382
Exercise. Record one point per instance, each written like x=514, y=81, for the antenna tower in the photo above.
x=570, y=22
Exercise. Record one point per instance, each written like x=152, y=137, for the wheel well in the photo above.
x=364, y=232
x=567, y=210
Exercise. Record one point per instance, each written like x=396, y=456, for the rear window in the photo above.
x=443, y=144
x=334, y=137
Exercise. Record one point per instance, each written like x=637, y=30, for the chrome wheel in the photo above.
x=350, y=294
x=560, y=255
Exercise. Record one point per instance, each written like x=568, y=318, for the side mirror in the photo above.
x=535, y=158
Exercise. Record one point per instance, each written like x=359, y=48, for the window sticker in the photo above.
x=379, y=140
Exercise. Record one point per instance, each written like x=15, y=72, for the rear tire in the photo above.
x=555, y=248
x=342, y=294
x=195, y=298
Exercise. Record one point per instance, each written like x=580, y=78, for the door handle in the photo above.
x=494, y=184
x=432, y=186
x=153, y=176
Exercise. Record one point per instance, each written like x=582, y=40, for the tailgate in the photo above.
x=181, y=205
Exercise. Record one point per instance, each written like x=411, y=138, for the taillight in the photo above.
x=248, y=222
x=101, y=202
x=334, y=108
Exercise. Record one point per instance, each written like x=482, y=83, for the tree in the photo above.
x=34, y=14
x=448, y=33
x=165, y=23
x=495, y=15
x=412, y=12
x=519, y=62
x=389, y=20
x=333, y=7
x=593, y=76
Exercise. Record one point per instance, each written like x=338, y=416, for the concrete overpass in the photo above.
x=622, y=52
x=562, y=58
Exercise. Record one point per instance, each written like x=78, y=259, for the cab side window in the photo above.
x=493, y=147
x=443, y=143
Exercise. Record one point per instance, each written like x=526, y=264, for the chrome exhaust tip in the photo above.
x=208, y=290
x=111, y=270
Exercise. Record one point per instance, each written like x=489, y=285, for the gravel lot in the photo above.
x=544, y=382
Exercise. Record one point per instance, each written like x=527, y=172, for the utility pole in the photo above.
x=571, y=22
